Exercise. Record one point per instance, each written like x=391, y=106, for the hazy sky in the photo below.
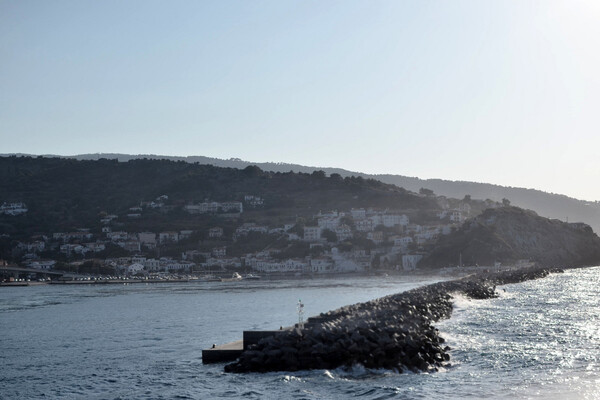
x=505, y=92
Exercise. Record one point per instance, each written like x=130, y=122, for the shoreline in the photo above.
x=395, y=332
x=264, y=278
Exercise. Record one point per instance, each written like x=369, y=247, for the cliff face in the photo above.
x=510, y=234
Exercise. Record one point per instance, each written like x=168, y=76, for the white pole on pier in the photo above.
x=300, y=308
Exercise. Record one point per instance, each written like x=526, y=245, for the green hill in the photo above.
x=65, y=194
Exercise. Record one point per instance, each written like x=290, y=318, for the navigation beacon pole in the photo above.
x=300, y=308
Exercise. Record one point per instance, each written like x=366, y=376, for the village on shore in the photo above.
x=332, y=242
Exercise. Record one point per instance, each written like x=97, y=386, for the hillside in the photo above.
x=67, y=208
x=548, y=205
x=66, y=194
x=510, y=234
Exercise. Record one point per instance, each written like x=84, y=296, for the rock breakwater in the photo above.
x=395, y=332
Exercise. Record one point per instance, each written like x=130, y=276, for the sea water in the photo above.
x=539, y=339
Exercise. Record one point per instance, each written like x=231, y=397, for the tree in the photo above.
x=252, y=170
x=426, y=192
x=506, y=202
x=318, y=174
x=347, y=220
x=336, y=177
x=329, y=235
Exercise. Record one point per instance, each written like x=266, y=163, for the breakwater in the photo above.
x=395, y=332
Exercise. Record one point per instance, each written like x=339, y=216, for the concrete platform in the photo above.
x=232, y=351
x=223, y=353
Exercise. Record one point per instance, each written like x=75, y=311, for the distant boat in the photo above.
x=251, y=277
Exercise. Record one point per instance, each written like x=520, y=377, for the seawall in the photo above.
x=393, y=332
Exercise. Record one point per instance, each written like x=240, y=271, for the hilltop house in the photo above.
x=168, y=237
x=13, y=208
x=215, y=232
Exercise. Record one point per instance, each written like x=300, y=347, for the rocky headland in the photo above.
x=510, y=234
x=394, y=332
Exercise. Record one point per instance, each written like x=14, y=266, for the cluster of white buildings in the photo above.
x=395, y=246
x=458, y=214
x=247, y=228
x=331, y=262
x=214, y=207
x=364, y=221
x=232, y=207
x=137, y=264
x=159, y=202
x=135, y=242
x=396, y=241
x=253, y=201
x=13, y=208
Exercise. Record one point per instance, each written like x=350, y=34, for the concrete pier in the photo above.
x=226, y=352
x=232, y=351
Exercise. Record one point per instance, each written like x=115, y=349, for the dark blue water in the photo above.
x=541, y=339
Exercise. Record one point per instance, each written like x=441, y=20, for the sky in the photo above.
x=504, y=92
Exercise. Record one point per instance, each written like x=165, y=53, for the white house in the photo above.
x=130, y=245
x=293, y=236
x=363, y=225
x=147, y=239
x=457, y=216
x=248, y=227
x=168, y=237
x=232, y=206
x=390, y=220
x=403, y=241
x=321, y=265
x=68, y=249
x=219, y=251
x=465, y=208
x=409, y=261
x=117, y=236
x=358, y=213
x=96, y=247
x=312, y=233
x=42, y=264
x=270, y=266
x=253, y=200
x=215, y=232
x=328, y=223
x=329, y=214
x=343, y=232
x=134, y=268
x=178, y=265
x=214, y=207
x=152, y=264
x=344, y=264
x=35, y=246
x=13, y=208
x=375, y=237
x=184, y=234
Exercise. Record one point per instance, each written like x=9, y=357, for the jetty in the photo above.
x=395, y=332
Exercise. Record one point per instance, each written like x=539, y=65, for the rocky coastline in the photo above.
x=395, y=332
